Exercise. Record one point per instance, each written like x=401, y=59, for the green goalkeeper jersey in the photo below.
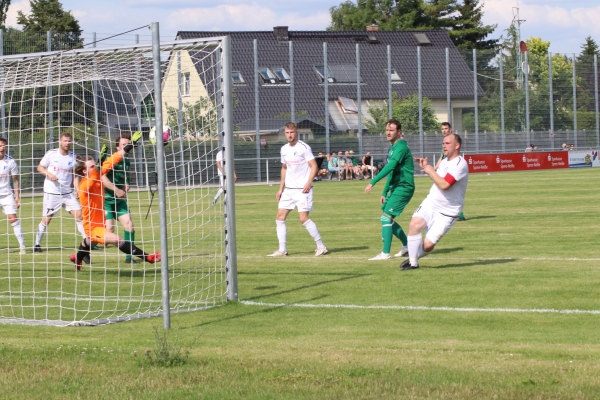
x=119, y=176
x=399, y=169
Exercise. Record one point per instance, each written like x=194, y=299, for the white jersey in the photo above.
x=450, y=202
x=8, y=168
x=220, y=160
x=296, y=159
x=62, y=167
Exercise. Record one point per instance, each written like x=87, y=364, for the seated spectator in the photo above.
x=571, y=146
x=565, y=146
x=367, y=165
x=332, y=164
x=355, y=167
x=321, y=171
x=348, y=167
x=530, y=148
x=342, y=162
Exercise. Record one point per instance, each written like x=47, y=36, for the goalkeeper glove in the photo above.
x=136, y=137
x=102, y=153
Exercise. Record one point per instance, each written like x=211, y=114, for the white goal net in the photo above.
x=97, y=96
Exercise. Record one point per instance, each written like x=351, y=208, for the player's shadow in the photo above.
x=477, y=263
x=134, y=273
x=269, y=309
x=450, y=250
x=480, y=217
x=342, y=249
x=342, y=278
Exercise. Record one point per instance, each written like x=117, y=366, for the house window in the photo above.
x=395, y=76
x=282, y=75
x=237, y=77
x=347, y=105
x=267, y=75
x=303, y=136
x=187, y=85
x=338, y=73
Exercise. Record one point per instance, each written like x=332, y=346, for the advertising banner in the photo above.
x=583, y=159
x=518, y=161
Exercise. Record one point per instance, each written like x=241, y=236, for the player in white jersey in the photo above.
x=57, y=166
x=298, y=170
x=219, y=164
x=442, y=206
x=10, y=197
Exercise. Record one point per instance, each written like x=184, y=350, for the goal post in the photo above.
x=96, y=96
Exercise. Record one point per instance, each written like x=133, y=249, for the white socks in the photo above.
x=40, y=233
x=314, y=232
x=415, y=249
x=281, y=235
x=19, y=233
x=219, y=193
x=80, y=228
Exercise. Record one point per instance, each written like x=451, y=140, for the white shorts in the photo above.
x=291, y=198
x=54, y=202
x=9, y=205
x=437, y=224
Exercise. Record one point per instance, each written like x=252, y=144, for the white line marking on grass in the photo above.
x=328, y=257
x=424, y=308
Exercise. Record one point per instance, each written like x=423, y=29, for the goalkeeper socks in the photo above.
x=128, y=236
x=80, y=228
x=40, y=233
x=281, y=235
x=19, y=233
x=84, y=250
x=311, y=227
x=415, y=245
x=399, y=233
x=386, y=233
x=130, y=248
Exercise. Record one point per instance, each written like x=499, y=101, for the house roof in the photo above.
x=273, y=51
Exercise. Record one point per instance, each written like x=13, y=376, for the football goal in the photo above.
x=165, y=196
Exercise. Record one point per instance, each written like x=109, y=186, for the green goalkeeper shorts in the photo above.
x=395, y=201
x=113, y=209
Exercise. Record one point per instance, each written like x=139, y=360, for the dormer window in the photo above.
x=338, y=73
x=347, y=105
x=237, y=78
x=267, y=75
x=395, y=76
x=282, y=75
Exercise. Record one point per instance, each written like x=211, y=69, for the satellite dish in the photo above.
x=523, y=46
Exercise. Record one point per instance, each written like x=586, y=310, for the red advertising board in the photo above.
x=517, y=161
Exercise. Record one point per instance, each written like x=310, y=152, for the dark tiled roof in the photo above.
x=341, y=49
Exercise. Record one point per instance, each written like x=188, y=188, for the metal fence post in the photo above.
x=138, y=109
x=50, y=102
x=526, y=76
x=420, y=87
x=389, y=61
x=160, y=166
x=574, y=104
x=475, y=101
x=257, y=112
x=180, y=118
x=326, y=87
x=448, y=101
x=358, y=101
x=595, y=99
x=95, y=102
x=292, y=105
x=2, y=107
x=551, y=94
x=502, y=131
x=230, y=236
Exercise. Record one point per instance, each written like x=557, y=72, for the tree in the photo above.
x=4, y=4
x=589, y=47
x=468, y=30
x=406, y=110
x=48, y=15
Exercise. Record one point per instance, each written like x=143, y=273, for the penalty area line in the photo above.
x=424, y=308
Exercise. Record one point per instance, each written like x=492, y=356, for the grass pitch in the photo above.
x=506, y=306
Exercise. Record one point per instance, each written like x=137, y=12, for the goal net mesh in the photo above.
x=96, y=96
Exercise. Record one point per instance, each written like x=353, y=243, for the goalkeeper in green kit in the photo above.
x=116, y=185
x=399, y=189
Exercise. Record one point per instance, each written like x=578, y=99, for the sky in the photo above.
x=564, y=23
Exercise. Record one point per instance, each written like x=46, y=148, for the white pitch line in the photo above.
x=336, y=257
x=424, y=308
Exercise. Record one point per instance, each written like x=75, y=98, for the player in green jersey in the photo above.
x=447, y=130
x=116, y=185
x=399, y=189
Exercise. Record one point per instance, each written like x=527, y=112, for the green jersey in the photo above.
x=119, y=175
x=399, y=169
